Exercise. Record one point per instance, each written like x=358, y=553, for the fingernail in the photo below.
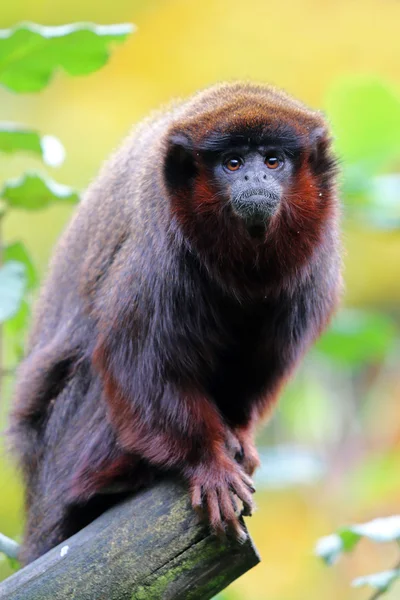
x=242, y=536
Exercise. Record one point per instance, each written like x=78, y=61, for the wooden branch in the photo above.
x=149, y=547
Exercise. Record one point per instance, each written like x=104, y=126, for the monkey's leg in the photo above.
x=77, y=480
x=41, y=377
x=50, y=524
x=47, y=526
x=108, y=471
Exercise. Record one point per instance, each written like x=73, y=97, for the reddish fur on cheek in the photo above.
x=204, y=199
x=199, y=213
x=298, y=228
x=205, y=196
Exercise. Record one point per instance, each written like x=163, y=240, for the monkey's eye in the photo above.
x=233, y=163
x=273, y=162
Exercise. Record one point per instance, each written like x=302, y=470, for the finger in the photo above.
x=248, y=481
x=247, y=510
x=241, y=490
x=227, y=508
x=239, y=533
x=214, y=513
x=196, y=497
x=235, y=504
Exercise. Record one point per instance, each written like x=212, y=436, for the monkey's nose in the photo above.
x=255, y=176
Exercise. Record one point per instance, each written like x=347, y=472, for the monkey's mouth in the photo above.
x=246, y=194
x=256, y=205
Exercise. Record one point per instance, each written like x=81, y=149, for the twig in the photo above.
x=8, y=546
x=380, y=593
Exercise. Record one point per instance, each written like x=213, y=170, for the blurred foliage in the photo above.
x=33, y=191
x=12, y=288
x=365, y=115
x=28, y=55
x=331, y=452
x=358, y=337
x=379, y=530
x=16, y=138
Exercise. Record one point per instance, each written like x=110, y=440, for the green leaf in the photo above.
x=30, y=53
x=349, y=537
x=33, y=191
x=379, y=581
x=365, y=116
x=356, y=337
x=12, y=288
x=15, y=137
x=18, y=252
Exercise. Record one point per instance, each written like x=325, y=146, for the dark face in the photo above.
x=254, y=180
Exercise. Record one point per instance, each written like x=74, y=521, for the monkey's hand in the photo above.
x=241, y=447
x=215, y=489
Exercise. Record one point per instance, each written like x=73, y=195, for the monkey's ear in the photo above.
x=321, y=159
x=180, y=167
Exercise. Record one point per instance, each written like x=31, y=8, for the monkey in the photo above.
x=198, y=268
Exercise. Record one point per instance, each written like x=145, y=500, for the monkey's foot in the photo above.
x=215, y=490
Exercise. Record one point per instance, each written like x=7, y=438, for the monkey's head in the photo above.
x=249, y=172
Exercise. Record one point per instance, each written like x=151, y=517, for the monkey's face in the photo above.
x=250, y=180
x=237, y=175
x=253, y=180
x=252, y=189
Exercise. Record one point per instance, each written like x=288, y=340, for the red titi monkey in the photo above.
x=198, y=268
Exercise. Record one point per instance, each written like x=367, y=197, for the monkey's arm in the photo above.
x=178, y=430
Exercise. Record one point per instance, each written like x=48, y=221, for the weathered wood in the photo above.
x=149, y=547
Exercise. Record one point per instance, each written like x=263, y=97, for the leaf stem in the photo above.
x=380, y=593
